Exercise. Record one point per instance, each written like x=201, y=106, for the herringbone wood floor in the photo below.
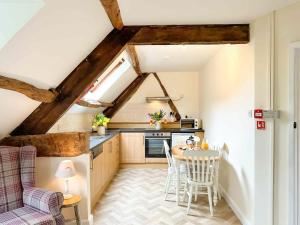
x=136, y=197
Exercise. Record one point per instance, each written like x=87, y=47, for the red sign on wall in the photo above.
x=258, y=113
x=260, y=125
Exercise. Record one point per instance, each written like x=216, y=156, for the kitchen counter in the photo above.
x=97, y=140
x=150, y=130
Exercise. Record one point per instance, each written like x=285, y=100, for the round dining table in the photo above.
x=180, y=159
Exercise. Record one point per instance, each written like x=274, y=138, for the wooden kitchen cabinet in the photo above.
x=132, y=148
x=103, y=168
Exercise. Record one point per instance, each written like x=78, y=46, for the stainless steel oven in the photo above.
x=154, y=144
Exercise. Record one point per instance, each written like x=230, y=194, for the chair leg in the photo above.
x=185, y=191
x=196, y=193
x=167, y=186
x=210, y=200
x=190, y=199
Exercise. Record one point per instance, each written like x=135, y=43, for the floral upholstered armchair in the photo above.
x=20, y=202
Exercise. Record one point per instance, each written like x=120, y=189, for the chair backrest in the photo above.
x=16, y=174
x=201, y=165
x=168, y=155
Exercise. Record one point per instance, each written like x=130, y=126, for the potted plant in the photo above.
x=100, y=122
x=157, y=118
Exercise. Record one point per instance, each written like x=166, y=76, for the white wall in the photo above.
x=79, y=185
x=226, y=95
x=46, y=50
x=176, y=84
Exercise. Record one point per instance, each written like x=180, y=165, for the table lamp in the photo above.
x=66, y=170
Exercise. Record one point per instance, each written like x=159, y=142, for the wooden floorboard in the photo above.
x=136, y=197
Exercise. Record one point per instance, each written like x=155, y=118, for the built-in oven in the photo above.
x=154, y=144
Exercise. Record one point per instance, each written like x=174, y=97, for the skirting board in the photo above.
x=234, y=207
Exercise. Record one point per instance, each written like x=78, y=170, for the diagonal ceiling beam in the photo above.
x=80, y=79
x=170, y=102
x=113, y=12
x=85, y=74
x=125, y=95
x=29, y=90
x=134, y=59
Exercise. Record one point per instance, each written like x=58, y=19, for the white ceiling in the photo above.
x=159, y=12
x=174, y=58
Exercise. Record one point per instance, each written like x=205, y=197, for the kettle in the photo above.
x=190, y=141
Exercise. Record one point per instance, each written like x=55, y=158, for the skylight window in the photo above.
x=104, y=83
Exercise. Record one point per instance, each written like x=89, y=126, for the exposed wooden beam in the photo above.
x=29, y=90
x=113, y=11
x=134, y=59
x=192, y=34
x=76, y=83
x=170, y=102
x=125, y=95
x=85, y=74
x=93, y=104
x=53, y=144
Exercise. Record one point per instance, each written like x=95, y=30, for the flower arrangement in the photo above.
x=100, y=121
x=156, y=118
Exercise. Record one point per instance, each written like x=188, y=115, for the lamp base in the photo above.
x=68, y=196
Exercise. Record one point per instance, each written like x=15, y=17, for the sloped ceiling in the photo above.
x=161, y=12
x=47, y=49
x=174, y=58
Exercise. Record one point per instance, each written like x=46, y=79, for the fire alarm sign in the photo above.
x=258, y=113
x=260, y=125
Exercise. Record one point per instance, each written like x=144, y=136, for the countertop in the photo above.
x=150, y=130
x=96, y=139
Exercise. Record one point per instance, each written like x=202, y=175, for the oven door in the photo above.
x=154, y=147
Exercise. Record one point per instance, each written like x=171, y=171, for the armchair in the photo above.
x=20, y=202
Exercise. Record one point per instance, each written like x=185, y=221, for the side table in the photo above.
x=73, y=202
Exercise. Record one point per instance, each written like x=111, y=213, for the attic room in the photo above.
x=149, y=112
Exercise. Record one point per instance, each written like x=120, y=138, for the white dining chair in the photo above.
x=171, y=170
x=201, y=166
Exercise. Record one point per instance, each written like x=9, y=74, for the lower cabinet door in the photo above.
x=132, y=148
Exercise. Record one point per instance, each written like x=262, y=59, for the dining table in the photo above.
x=180, y=159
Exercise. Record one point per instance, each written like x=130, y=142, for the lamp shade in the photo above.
x=65, y=169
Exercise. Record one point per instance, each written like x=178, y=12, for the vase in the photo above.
x=157, y=125
x=101, y=130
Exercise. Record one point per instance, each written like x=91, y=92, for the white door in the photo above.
x=294, y=149
x=297, y=103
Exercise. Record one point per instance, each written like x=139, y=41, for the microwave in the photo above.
x=189, y=123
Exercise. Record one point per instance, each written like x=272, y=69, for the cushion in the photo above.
x=25, y=216
x=10, y=179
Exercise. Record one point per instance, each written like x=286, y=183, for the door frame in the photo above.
x=294, y=156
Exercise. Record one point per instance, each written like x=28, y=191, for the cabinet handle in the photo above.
x=92, y=161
